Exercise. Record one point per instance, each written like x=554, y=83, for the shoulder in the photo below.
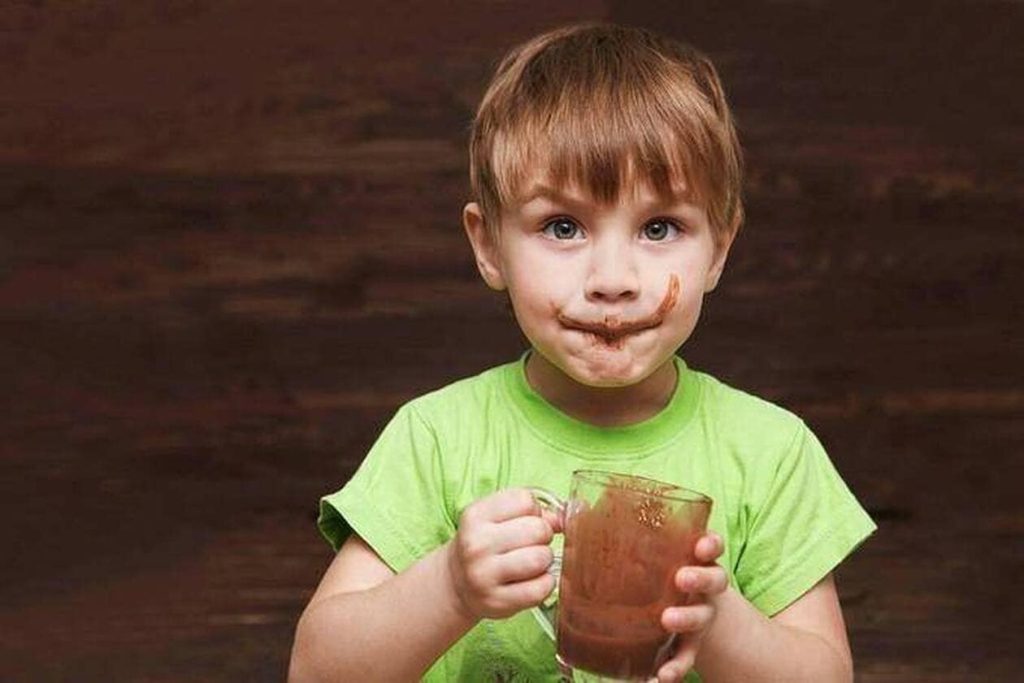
x=747, y=425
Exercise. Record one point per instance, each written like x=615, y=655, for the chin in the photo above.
x=607, y=372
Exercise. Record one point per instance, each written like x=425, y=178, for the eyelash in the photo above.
x=547, y=227
x=676, y=225
x=551, y=221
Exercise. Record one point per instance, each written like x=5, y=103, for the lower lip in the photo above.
x=612, y=342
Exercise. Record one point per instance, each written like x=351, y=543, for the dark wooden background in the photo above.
x=230, y=246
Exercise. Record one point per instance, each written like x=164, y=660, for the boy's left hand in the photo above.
x=691, y=621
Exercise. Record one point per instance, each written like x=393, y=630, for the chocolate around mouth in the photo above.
x=612, y=330
x=609, y=330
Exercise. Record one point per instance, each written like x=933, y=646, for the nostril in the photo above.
x=612, y=284
x=612, y=294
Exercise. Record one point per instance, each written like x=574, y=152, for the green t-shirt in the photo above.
x=786, y=516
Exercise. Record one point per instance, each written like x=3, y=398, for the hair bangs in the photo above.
x=603, y=148
x=607, y=110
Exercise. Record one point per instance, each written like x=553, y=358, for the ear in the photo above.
x=485, y=248
x=718, y=264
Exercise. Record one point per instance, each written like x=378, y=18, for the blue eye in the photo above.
x=563, y=229
x=660, y=229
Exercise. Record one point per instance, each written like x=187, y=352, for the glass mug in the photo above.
x=625, y=538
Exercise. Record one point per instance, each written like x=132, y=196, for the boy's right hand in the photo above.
x=499, y=557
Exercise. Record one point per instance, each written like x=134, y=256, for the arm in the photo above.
x=366, y=623
x=805, y=502
x=727, y=639
x=804, y=642
x=348, y=631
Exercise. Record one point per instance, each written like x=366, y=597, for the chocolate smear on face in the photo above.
x=670, y=300
x=612, y=331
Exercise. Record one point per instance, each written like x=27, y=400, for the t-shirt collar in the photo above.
x=596, y=443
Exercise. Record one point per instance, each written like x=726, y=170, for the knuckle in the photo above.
x=460, y=549
x=545, y=556
x=476, y=547
x=686, y=579
x=534, y=592
x=547, y=532
x=472, y=575
x=701, y=616
x=522, y=499
x=538, y=530
x=704, y=579
x=465, y=544
x=685, y=620
x=469, y=515
x=473, y=545
x=546, y=585
x=536, y=559
x=477, y=577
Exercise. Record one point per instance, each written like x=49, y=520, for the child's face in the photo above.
x=606, y=293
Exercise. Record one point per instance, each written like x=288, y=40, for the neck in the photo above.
x=602, y=406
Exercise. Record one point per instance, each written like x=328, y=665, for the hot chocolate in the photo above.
x=620, y=557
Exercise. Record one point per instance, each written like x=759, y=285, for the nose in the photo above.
x=612, y=276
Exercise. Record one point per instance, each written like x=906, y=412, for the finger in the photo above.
x=523, y=564
x=708, y=580
x=670, y=672
x=520, y=532
x=673, y=671
x=709, y=548
x=682, y=661
x=527, y=593
x=553, y=519
x=689, y=619
x=501, y=506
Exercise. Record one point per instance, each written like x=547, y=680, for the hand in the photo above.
x=691, y=621
x=499, y=557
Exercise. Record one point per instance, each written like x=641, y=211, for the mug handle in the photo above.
x=550, y=502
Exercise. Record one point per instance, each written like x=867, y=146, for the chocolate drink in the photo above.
x=619, y=561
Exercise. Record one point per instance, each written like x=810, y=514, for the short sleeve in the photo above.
x=396, y=500
x=807, y=522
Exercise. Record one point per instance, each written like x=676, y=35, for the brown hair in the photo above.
x=600, y=106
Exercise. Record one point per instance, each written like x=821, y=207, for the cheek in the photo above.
x=681, y=296
x=531, y=301
x=541, y=286
x=688, y=308
x=526, y=292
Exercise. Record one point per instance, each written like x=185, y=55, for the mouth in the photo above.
x=612, y=331
x=609, y=331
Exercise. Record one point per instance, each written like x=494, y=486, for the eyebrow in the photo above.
x=541, y=191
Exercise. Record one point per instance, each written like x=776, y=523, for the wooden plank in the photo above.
x=228, y=240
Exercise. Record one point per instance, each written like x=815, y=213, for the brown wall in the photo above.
x=229, y=247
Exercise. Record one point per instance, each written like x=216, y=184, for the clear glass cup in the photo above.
x=625, y=538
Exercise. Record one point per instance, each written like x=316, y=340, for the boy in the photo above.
x=607, y=175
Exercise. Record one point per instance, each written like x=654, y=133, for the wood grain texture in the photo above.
x=230, y=247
